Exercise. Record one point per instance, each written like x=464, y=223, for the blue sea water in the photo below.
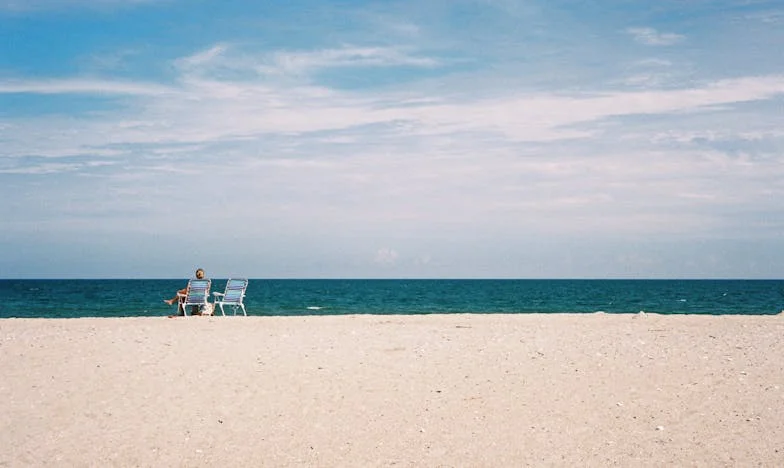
x=117, y=298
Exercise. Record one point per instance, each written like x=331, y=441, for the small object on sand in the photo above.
x=659, y=428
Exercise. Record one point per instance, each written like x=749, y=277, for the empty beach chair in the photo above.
x=233, y=296
x=196, y=295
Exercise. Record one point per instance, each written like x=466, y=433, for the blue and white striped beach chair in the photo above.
x=196, y=295
x=233, y=296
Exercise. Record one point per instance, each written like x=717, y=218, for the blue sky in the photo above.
x=405, y=139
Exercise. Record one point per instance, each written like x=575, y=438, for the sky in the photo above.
x=392, y=139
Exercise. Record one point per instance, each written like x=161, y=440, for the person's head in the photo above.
x=199, y=274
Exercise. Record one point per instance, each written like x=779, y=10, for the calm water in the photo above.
x=113, y=298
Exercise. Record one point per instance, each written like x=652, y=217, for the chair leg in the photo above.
x=243, y=310
x=223, y=312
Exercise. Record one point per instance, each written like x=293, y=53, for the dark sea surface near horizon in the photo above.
x=293, y=297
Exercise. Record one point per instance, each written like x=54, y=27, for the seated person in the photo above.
x=184, y=291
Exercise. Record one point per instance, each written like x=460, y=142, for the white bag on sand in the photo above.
x=207, y=309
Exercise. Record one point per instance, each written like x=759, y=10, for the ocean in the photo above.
x=293, y=297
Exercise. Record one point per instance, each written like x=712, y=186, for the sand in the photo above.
x=441, y=390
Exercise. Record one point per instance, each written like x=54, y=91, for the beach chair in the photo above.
x=196, y=295
x=233, y=296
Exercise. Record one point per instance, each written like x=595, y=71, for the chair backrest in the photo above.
x=235, y=291
x=198, y=291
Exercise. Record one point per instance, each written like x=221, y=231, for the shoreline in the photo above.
x=390, y=390
x=395, y=314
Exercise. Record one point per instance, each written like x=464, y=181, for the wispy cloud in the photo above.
x=111, y=61
x=222, y=57
x=82, y=86
x=769, y=17
x=652, y=37
x=295, y=62
x=202, y=57
x=202, y=109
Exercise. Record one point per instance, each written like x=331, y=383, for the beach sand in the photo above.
x=440, y=390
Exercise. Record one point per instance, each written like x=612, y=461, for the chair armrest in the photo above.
x=217, y=294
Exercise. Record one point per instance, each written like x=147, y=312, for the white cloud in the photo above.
x=202, y=57
x=650, y=36
x=83, y=86
x=111, y=61
x=770, y=17
x=225, y=60
x=303, y=62
x=653, y=63
x=45, y=168
x=386, y=256
x=208, y=110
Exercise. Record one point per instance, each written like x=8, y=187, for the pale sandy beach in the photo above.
x=442, y=390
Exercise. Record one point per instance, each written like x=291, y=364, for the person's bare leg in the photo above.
x=175, y=298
